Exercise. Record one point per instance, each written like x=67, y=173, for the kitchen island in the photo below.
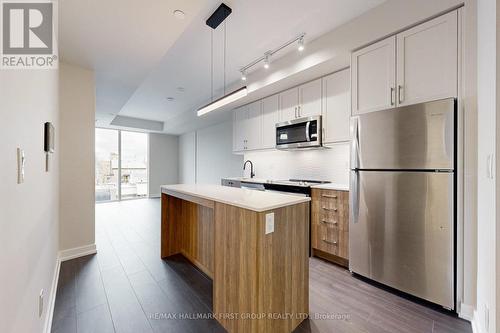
x=252, y=244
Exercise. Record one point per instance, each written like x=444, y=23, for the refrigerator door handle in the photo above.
x=354, y=143
x=354, y=193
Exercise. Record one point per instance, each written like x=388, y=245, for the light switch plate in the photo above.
x=269, y=223
x=20, y=165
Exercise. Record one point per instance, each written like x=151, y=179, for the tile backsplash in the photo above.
x=318, y=164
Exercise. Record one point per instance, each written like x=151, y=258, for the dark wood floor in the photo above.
x=126, y=287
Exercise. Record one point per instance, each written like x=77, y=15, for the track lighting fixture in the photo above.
x=301, y=44
x=266, y=60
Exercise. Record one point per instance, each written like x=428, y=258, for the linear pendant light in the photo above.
x=213, y=22
x=224, y=100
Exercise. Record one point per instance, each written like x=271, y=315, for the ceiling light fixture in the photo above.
x=266, y=58
x=301, y=44
x=243, y=75
x=213, y=21
x=224, y=100
x=179, y=14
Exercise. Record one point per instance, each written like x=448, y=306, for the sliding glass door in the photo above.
x=121, y=165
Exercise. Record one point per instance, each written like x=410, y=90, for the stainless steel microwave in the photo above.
x=299, y=133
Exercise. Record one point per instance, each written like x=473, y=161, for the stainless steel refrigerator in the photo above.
x=402, y=199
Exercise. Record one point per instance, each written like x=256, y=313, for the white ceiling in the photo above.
x=121, y=40
x=122, y=62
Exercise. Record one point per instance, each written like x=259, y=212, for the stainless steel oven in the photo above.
x=299, y=133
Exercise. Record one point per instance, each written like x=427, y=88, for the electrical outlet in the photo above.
x=269, y=223
x=40, y=303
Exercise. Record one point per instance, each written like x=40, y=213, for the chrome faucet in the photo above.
x=252, y=174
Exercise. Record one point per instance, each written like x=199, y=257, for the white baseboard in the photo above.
x=77, y=252
x=52, y=298
x=466, y=312
x=475, y=326
x=63, y=256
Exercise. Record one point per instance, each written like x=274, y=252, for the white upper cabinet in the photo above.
x=336, y=107
x=253, y=128
x=310, y=99
x=270, y=116
x=247, y=127
x=374, y=76
x=417, y=65
x=289, y=103
x=427, y=61
x=239, y=122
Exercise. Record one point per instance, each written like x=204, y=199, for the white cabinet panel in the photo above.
x=310, y=99
x=239, y=124
x=373, y=76
x=270, y=116
x=253, y=128
x=336, y=108
x=289, y=101
x=427, y=61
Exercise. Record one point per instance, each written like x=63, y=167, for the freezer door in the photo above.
x=401, y=232
x=413, y=137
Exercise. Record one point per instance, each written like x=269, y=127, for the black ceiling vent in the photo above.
x=218, y=16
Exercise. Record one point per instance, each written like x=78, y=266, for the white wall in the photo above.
x=187, y=158
x=163, y=162
x=486, y=208
x=28, y=211
x=77, y=177
x=214, y=154
x=322, y=164
x=206, y=156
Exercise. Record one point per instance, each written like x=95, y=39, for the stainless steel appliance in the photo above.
x=290, y=186
x=299, y=133
x=402, y=199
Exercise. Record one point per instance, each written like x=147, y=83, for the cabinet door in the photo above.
x=253, y=128
x=289, y=101
x=310, y=99
x=373, y=77
x=427, y=61
x=239, y=124
x=270, y=116
x=336, y=109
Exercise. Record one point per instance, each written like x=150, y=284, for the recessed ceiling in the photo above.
x=157, y=59
x=121, y=40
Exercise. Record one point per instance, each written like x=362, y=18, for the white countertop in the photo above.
x=332, y=186
x=258, y=201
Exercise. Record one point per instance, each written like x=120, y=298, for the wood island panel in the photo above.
x=261, y=274
x=260, y=281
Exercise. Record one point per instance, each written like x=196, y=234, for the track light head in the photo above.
x=266, y=60
x=301, y=44
x=243, y=75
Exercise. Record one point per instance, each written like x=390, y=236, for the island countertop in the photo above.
x=258, y=201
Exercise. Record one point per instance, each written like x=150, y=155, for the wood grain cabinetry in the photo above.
x=330, y=225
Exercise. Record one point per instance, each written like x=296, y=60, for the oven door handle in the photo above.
x=308, y=125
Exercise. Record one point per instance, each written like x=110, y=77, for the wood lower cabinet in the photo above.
x=330, y=225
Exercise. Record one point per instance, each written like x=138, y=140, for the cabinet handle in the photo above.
x=329, y=242
x=329, y=222
x=298, y=110
x=295, y=112
x=392, y=95
x=333, y=209
x=329, y=196
x=401, y=95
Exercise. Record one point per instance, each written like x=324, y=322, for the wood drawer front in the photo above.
x=331, y=240
x=331, y=208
